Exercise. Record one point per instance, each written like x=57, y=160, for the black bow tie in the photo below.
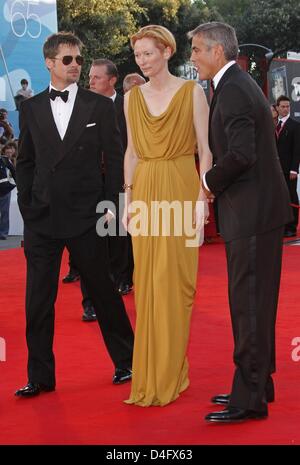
x=57, y=93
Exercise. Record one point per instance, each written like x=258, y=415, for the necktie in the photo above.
x=57, y=93
x=278, y=127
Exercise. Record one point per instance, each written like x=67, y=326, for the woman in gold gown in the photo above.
x=166, y=118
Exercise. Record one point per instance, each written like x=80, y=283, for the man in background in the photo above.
x=103, y=78
x=288, y=145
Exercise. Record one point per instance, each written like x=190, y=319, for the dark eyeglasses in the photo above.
x=67, y=59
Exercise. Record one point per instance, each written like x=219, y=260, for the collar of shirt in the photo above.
x=284, y=120
x=61, y=110
x=221, y=72
x=113, y=97
x=72, y=88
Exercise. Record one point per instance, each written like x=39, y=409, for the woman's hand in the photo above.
x=126, y=215
x=201, y=214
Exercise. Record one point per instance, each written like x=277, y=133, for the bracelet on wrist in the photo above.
x=127, y=187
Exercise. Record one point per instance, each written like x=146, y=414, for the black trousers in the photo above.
x=121, y=259
x=120, y=262
x=292, y=186
x=254, y=268
x=90, y=255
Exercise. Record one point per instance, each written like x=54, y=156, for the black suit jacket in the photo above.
x=59, y=181
x=247, y=176
x=119, y=106
x=288, y=145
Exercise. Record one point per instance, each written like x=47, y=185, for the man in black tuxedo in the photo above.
x=288, y=145
x=253, y=208
x=63, y=131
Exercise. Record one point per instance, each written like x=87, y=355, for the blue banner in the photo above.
x=24, y=27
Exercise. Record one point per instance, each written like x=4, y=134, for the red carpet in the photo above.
x=88, y=409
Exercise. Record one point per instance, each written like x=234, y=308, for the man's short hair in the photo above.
x=111, y=69
x=50, y=48
x=24, y=81
x=282, y=98
x=218, y=33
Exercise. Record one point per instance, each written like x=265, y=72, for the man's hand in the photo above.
x=293, y=176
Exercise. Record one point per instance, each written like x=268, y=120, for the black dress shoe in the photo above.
x=122, y=375
x=33, y=389
x=124, y=289
x=235, y=415
x=223, y=399
x=89, y=314
x=71, y=277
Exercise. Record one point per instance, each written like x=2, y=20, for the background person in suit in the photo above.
x=253, y=207
x=288, y=145
x=63, y=131
x=6, y=160
x=103, y=78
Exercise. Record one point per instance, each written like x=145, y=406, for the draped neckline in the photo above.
x=169, y=104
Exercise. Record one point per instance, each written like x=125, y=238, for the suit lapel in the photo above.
x=81, y=113
x=45, y=120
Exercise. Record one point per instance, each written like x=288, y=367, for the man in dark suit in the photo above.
x=103, y=78
x=288, y=145
x=253, y=207
x=63, y=131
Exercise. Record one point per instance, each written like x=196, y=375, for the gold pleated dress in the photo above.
x=165, y=268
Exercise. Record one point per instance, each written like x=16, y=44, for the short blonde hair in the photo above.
x=161, y=36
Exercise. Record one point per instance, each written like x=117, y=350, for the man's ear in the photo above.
x=49, y=63
x=219, y=51
x=113, y=80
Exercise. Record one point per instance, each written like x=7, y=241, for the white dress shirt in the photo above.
x=61, y=110
x=113, y=97
x=216, y=81
x=221, y=72
x=284, y=119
